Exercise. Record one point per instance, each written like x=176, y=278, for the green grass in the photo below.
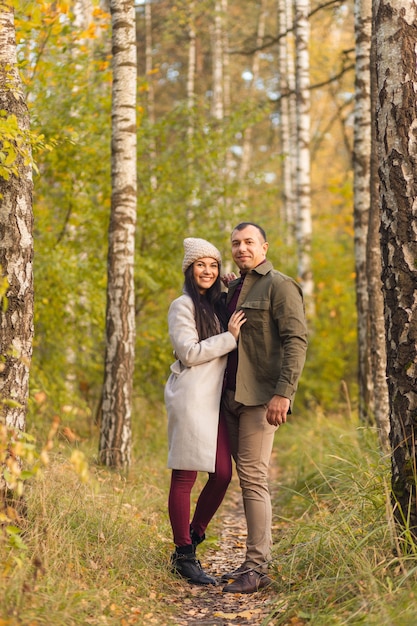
x=97, y=552
x=334, y=535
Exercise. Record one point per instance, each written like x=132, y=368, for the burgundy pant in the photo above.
x=210, y=498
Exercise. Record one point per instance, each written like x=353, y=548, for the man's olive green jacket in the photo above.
x=273, y=341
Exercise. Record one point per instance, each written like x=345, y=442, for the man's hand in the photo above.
x=276, y=410
x=227, y=278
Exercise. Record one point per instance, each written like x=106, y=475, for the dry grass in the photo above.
x=96, y=552
x=335, y=537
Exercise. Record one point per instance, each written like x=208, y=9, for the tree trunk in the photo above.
x=115, y=439
x=362, y=198
x=83, y=13
x=16, y=237
x=396, y=39
x=191, y=98
x=304, y=222
x=376, y=300
x=247, y=133
x=217, y=104
x=191, y=101
x=150, y=100
x=287, y=118
x=226, y=63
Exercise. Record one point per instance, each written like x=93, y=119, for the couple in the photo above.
x=239, y=360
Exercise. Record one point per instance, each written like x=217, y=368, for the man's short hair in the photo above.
x=243, y=225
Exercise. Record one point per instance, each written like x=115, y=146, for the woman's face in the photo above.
x=205, y=272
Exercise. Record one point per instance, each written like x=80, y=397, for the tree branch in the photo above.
x=271, y=41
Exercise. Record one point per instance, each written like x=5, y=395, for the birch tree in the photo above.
x=191, y=97
x=362, y=196
x=304, y=222
x=376, y=301
x=150, y=100
x=191, y=100
x=373, y=391
x=115, y=439
x=396, y=43
x=16, y=233
x=287, y=116
x=217, y=103
x=247, y=133
x=221, y=95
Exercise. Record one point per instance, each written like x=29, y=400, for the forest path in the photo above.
x=208, y=605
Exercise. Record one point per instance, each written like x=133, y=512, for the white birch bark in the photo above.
x=16, y=240
x=292, y=100
x=191, y=66
x=115, y=440
x=287, y=117
x=362, y=197
x=150, y=100
x=247, y=133
x=396, y=45
x=191, y=99
x=217, y=107
x=304, y=221
x=374, y=270
x=230, y=208
x=226, y=61
x=83, y=12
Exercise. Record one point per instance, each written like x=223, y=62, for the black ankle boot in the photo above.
x=196, y=539
x=189, y=567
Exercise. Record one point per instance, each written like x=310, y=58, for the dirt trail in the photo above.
x=209, y=606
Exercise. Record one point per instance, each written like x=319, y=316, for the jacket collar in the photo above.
x=261, y=269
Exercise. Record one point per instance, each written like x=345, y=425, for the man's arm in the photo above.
x=288, y=312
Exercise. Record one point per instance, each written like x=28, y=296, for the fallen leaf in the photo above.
x=245, y=614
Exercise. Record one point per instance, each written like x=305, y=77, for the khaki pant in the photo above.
x=251, y=440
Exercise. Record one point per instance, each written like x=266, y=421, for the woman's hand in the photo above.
x=227, y=278
x=236, y=320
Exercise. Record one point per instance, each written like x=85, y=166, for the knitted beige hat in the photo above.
x=198, y=249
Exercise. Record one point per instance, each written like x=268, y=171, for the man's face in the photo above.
x=248, y=248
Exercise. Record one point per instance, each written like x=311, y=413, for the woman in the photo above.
x=198, y=441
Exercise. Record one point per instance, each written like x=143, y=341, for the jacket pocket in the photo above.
x=262, y=305
x=257, y=315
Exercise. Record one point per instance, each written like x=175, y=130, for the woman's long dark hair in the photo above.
x=210, y=308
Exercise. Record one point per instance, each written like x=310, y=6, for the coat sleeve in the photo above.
x=184, y=338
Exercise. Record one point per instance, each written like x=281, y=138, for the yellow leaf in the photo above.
x=248, y=614
x=245, y=614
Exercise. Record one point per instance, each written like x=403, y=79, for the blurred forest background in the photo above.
x=230, y=170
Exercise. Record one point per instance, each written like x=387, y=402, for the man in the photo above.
x=262, y=377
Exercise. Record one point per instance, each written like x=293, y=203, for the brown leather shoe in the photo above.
x=236, y=573
x=249, y=582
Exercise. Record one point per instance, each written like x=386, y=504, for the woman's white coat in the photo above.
x=193, y=389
